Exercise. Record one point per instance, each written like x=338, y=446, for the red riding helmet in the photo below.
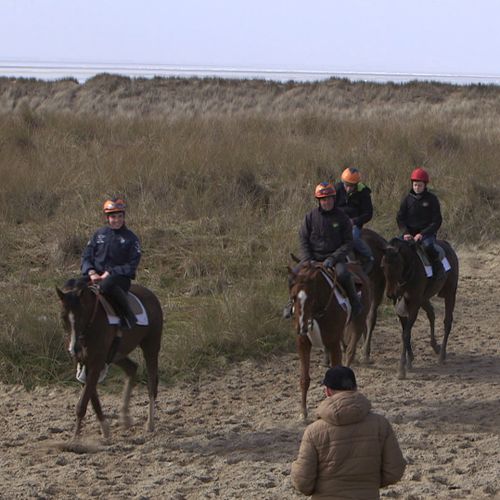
x=113, y=206
x=324, y=189
x=419, y=174
x=351, y=175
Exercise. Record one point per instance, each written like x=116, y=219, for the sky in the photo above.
x=393, y=36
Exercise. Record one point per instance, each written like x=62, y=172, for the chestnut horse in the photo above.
x=376, y=277
x=90, y=337
x=315, y=306
x=408, y=285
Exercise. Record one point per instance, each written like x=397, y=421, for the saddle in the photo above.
x=424, y=258
x=134, y=303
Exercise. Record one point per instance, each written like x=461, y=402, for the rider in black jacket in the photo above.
x=326, y=236
x=419, y=217
x=354, y=199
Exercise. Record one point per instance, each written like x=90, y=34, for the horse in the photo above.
x=90, y=337
x=316, y=308
x=376, y=278
x=409, y=287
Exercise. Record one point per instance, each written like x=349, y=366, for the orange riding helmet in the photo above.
x=114, y=205
x=351, y=175
x=419, y=174
x=324, y=189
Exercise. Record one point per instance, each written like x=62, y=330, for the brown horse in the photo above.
x=377, y=244
x=316, y=309
x=408, y=285
x=90, y=337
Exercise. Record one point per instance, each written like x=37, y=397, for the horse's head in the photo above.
x=397, y=266
x=76, y=312
x=304, y=292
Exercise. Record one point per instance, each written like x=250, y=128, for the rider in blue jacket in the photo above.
x=111, y=257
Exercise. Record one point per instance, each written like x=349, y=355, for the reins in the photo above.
x=332, y=293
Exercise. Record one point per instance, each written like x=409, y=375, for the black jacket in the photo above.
x=419, y=213
x=324, y=234
x=117, y=251
x=357, y=205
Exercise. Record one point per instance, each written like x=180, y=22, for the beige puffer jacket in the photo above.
x=349, y=452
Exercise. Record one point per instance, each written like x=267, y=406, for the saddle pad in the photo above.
x=426, y=263
x=135, y=304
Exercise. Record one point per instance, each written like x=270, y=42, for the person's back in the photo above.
x=349, y=452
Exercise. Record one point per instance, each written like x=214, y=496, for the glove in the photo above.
x=329, y=262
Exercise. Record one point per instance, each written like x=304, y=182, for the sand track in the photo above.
x=235, y=435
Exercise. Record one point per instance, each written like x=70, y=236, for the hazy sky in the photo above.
x=416, y=36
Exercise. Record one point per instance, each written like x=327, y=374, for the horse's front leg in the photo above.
x=130, y=369
x=96, y=404
x=407, y=356
x=304, y=350
x=81, y=406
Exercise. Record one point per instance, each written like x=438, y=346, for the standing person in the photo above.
x=354, y=198
x=349, y=452
x=326, y=236
x=419, y=218
x=111, y=257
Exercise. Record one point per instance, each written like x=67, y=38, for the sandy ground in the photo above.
x=235, y=435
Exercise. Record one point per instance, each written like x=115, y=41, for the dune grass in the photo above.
x=217, y=189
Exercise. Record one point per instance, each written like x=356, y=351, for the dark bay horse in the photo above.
x=376, y=276
x=316, y=307
x=90, y=337
x=408, y=286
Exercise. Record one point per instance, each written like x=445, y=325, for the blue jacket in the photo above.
x=117, y=251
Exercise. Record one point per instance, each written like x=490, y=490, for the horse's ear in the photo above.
x=294, y=258
x=60, y=293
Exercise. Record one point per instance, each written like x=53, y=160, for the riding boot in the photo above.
x=127, y=317
x=437, y=269
x=352, y=295
x=288, y=309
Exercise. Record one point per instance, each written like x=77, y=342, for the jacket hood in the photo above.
x=344, y=408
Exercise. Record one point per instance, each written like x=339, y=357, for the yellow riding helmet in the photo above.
x=351, y=175
x=324, y=189
x=113, y=206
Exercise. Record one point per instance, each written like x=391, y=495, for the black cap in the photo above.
x=340, y=378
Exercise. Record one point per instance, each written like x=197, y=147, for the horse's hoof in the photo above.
x=437, y=349
x=367, y=361
x=402, y=375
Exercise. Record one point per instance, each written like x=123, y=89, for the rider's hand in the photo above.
x=329, y=262
x=418, y=237
x=95, y=278
x=407, y=237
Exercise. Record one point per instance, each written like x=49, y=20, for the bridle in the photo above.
x=331, y=281
x=80, y=335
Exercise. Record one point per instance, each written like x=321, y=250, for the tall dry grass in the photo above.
x=218, y=179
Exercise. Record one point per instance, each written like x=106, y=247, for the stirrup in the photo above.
x=288, y=310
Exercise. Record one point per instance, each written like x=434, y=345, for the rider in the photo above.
x=326, y=236
x=354, y=198
x=111, y=257
x=419, y=217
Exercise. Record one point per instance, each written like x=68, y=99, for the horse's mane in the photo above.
x=74, y=285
